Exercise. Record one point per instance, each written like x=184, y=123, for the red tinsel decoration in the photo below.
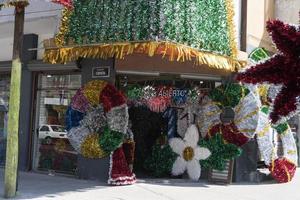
x=282, y=170
x=66, y=3
x=111, y=97
x=283, y=68
x=120, y=174
x=129, y=148
x=230, y=133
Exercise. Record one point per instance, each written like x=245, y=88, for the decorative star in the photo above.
x=220, y=152
x=281, y=69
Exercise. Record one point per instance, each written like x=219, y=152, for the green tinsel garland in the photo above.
x=110, y=140
x=161, y=160
x=228, y=95
x=199, y=24
x=134, y=92
x=220, y=152
x=281, y=128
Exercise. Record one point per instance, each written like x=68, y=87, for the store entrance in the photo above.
x=160, y=108
x=52, y=149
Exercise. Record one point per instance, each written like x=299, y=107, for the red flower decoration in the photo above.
x=230, y=133
x=283, y=170
x=283, y=68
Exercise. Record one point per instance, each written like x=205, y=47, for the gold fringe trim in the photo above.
x=64, y=27
x=231, y=28
x=174, y=51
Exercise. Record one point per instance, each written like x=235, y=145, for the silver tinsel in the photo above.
x=117, y=118
x=247, y=114
x=208, y=115
x=149, y=92
x=289, y=146
x=264, y=133
x=77, y=135
x=95, y=120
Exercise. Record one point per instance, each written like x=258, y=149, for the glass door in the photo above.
x=53, y=152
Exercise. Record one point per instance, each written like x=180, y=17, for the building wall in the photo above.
x=287, y=11
x=41, y=18
x=259, y=11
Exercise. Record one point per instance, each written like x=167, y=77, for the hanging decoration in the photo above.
x=159, y=163
x=221, y=152
x=182, y=32
x=230, y=110
x=171, y=116
x=189, y=154
x=281, y=69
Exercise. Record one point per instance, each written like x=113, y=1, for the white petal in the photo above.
x=201, y=153
x=194, y=169
x=179, y=166
x=192, y=136
x=177, y=145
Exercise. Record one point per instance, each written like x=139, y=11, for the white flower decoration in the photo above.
x=189, y=154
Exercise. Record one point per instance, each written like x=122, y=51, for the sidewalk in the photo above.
x=38, y=186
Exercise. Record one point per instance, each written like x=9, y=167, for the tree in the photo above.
x=12, y=152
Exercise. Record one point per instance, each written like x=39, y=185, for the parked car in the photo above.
x=49, y=132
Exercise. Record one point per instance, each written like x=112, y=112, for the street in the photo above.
x=38, y=186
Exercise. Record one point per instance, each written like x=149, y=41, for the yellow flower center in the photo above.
x=188, y=153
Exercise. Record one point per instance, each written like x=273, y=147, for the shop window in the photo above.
x=53, y=151
x=4, y=97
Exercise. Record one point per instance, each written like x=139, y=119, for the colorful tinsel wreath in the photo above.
x=97, y=122
x=244, y=109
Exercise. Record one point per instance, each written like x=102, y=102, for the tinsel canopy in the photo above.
x=281, y=69
x=179, y=29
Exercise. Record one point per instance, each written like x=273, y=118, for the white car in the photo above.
x=48, y=132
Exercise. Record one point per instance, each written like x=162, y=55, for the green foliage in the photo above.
x=110, y=140
x=199, y=24
x=228, y=95
x=161, y=160
x=220, y=152
x=281, y=128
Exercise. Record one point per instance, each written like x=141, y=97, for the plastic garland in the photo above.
x=282, y=68
x=143, y=22
x=97, y=122
x=159, y=163
x=179, y=30
x=281, y=168
x=220, y=152
x=189, y=154
x=245, y=108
